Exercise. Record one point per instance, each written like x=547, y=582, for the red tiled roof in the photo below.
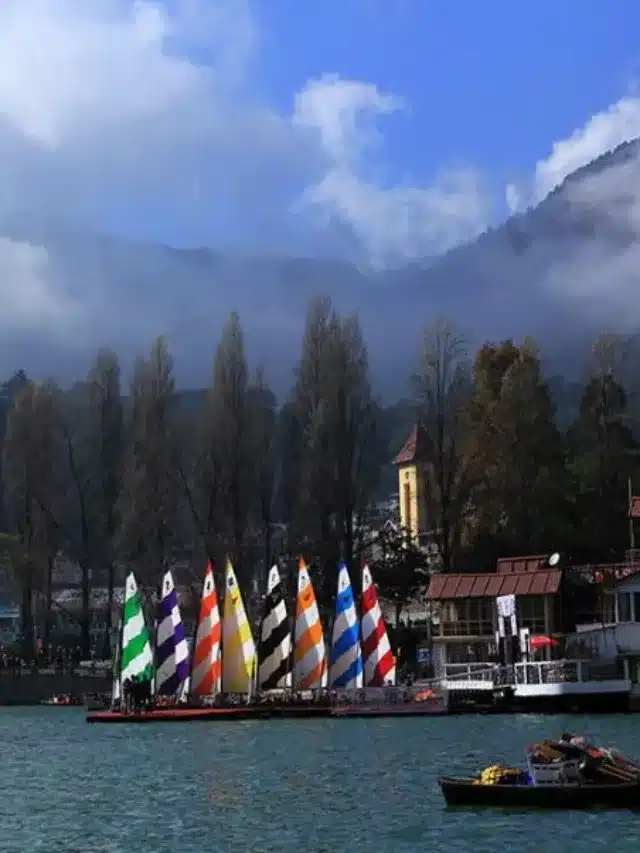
x=414, y=448
x=635, y=507
x=491, y=585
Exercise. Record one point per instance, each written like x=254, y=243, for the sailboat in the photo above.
x=172, y=650
x=346, y=655
x=206, y=664
x=238, y=648
x=136, y=656
x=309, y=656
x=379, y=662
x=379, y=698
x=274, y=650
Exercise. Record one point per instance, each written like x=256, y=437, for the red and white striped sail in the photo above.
x=206, y=667
x=379, y=662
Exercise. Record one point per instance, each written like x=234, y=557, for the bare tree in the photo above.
x=106, y=438
x=30, y=451
x=442, y=388
x=336, y=421
x=263, y=422
x=352, y=418
x=313, y=522
x=149, y=503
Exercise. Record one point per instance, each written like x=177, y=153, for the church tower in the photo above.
x=411, y=463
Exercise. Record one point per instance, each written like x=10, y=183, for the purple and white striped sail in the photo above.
x=172, y=650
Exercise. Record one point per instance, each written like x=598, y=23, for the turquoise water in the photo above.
x=282, y=786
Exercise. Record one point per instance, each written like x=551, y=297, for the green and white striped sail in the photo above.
x=136, y=656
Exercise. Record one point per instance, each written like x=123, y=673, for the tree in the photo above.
x=263, y=423
x=443, y=386
x=148, y=508
x=519, y=490
x=106, y=438
x=400, y=568
x=601, y=458
x=335, y=430
x=353, y=430
x=314, y=474
x=29, y=465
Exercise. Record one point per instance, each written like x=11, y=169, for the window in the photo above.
x=467, y=617
x=624, y=607
x=636, y=606
x=531, y=613
x=407, y=506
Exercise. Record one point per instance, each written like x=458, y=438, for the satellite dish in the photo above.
x=554, y=559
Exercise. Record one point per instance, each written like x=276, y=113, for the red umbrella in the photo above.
x=542, y=642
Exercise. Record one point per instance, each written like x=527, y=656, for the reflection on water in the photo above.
x=282, y=786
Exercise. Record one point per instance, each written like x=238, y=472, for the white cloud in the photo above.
x=603, y=132
x=31, y=296
x=394, y=223
x=126, y=113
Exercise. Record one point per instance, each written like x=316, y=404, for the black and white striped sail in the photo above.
x=274, y=652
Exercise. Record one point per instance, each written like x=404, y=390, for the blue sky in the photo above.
x=491, y=83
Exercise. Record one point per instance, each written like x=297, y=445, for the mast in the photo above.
x=116, y=692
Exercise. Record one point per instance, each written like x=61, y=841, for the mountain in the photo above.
x=562, y=271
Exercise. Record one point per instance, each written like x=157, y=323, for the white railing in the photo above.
x=471, y=676
x=570, y=671
x=487, y=676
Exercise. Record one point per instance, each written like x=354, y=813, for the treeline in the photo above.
x=114, y=476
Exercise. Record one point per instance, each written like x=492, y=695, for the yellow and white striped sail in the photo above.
x=238, y=648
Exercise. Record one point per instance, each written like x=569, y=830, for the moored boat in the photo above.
x=466, y=792
x=564, y=774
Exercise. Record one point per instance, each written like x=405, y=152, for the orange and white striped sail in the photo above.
x=206, y=667
x=309, y=655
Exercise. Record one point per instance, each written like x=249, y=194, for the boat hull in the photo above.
x=463, y=792
x=191, y=715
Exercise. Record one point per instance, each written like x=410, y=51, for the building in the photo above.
x=412, y=463
x=561, y=656
x=468, y=619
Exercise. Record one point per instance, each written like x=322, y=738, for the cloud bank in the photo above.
x=147, y=118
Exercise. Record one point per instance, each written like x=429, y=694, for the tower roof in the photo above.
x=415, y=448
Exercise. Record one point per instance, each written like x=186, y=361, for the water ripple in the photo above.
x=280, y=786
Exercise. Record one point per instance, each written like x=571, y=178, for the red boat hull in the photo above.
x=191, y=715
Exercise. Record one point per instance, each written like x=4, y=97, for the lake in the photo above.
x=282, y=786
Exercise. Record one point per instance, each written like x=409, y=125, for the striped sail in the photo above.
x=309, y=656
x=207, y=666
x=346, y=655
x=238, y=649
x=172, y=650
x=379, y=662
x=136, y=657
x=274, y=652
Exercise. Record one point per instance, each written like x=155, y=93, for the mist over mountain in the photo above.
x=563, y=271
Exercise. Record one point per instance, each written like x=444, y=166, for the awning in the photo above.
x=491, y=585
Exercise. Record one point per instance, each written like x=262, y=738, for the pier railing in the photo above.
x=487, y=676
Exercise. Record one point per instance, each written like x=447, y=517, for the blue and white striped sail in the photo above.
x=172, y=650
x=346, y=654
